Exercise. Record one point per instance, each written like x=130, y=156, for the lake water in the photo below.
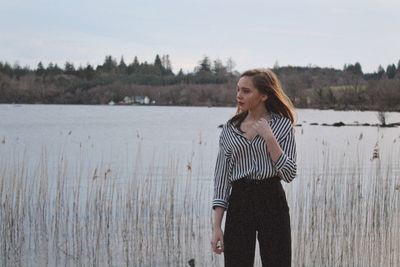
x=122, y=137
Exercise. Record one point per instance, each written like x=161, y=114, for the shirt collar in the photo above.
x=274, y=117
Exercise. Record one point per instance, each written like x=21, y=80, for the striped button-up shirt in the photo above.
x=239, y=157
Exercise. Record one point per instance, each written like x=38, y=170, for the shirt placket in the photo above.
x=253, y=161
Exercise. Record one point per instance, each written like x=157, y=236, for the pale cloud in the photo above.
x=295, y=32
x=386, y=2
x=322, y=32
x=343, y=11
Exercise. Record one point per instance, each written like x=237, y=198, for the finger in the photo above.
x=220, y=245
x=219, y=250
x=214, y=245
x=256, y=124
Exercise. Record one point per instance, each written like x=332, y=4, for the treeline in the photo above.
x=211, y=83
x=347, y=89
x=158, y=72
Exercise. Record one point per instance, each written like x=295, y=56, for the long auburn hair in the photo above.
x=267, y=83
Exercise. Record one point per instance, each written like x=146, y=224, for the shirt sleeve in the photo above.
x=222, y=185
x=286, y=163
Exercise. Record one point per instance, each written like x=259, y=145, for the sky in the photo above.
x=253, y=33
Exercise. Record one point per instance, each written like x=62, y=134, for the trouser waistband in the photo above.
x=251, y=181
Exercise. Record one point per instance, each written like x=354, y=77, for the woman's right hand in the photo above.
x=217, y=242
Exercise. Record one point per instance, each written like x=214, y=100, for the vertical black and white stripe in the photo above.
x=239, y=157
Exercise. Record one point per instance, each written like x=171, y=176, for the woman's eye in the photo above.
x=244, y=91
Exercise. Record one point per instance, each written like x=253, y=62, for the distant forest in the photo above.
x=211, y=83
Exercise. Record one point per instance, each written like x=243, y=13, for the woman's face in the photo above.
x=247, y=96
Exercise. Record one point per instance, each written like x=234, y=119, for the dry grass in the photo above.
x=88, y=217
x=347, y=218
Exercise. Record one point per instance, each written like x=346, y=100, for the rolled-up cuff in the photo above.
x=219, y=203
x=281, y=161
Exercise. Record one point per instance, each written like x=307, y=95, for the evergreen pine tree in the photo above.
x=381, y=71
x=89, y=72
x=136, y=61
x=204, y=65
x=69, y=68
x=158, y=67
x=40, y=68
x=122, y=66
x=391, y=71
x=357, y=69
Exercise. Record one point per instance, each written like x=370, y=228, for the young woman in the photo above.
x=257, y=150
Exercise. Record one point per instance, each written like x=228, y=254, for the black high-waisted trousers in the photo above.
x=257, y=208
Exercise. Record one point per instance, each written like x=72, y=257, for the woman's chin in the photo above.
x=242, y=108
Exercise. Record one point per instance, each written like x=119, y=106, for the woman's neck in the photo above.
x=258, y=113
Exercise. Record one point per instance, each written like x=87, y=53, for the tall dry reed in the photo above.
x=344, y=212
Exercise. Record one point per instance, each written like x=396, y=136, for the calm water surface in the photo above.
x=127, y=137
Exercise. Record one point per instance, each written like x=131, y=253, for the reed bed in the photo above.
x=345, y=212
